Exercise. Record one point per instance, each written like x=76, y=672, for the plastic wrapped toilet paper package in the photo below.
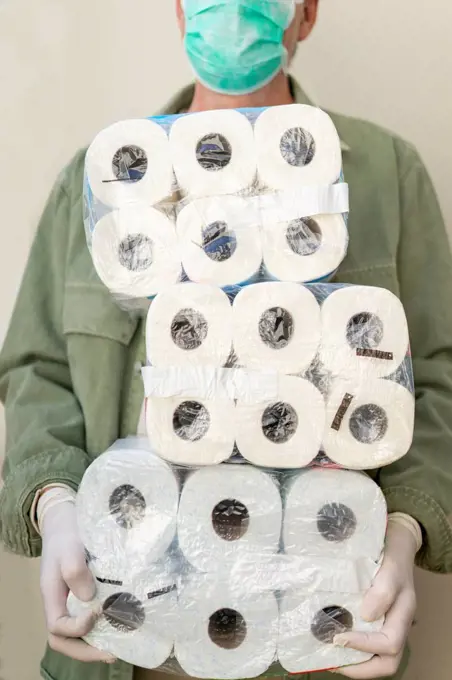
x=282, y=374
x=220, y=197
x=227, y=571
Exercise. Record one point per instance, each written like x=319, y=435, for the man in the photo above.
x=69, y=371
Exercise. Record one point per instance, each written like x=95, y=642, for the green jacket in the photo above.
x=70, y=366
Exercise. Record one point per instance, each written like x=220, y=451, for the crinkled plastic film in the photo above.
x=227, y=571
x=240, y=537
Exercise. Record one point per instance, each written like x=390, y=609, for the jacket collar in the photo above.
x=182, y=100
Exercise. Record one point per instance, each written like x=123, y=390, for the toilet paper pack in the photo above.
x=284, y=374
x=222, y=197
x=263, y=569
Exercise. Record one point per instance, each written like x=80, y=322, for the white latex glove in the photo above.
x=392, y=595
x=63, y=568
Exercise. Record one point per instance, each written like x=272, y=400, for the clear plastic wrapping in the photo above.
x=220, y=197
x=227, y=571
x=240, y=537
x=285, y=375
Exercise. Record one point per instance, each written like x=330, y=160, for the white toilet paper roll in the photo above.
x=219, y=240
x=227, y=513
x=305, y=249
x=334, y=513
x=130, y=162
x=296, y=144
x=222, y=635
x=213, y=153
x=138, y=619
x=127, y=506
x=369, y=424
x=276, y=325
x=308, y=624
x=285, y=432
x=189, y=325
x=364, y=331
x=191, y=430
x=134, y=251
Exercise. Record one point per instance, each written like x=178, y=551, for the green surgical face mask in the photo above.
x=236, y=46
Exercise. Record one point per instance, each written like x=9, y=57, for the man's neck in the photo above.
x=275, y=93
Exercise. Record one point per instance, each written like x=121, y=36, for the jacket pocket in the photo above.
x=99, y=337
x=89, y=309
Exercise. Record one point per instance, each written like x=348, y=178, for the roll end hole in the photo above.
x=329, y=622
x=369, y=423
x=213, y=152
x=189, y=329
x=304, y=236
x=130, y=163
x=191, y=421
x=336, y=522
x=279, y=422
x=127, y=505
x=219, y=242
x=135, y=252
x=297, y=147
x=230, y=519
x=276, y=327
x=364, y=331
x=124, y=612
x=227, y=628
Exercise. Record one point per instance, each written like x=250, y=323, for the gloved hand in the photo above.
x=392, y=595
x=64, y=568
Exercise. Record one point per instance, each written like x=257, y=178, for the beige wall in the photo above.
x=68, y=68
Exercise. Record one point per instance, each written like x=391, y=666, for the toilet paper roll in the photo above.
x=134, y=251
x=308, y=624
x=138, y=619
x=305, y=249
x=364, y=330
x=369, y=424
x=127, y=506
x=296, y=145
x=213, y=153
x=191, y=430
x=334, y=514
x=285, y=432
x=189, y=325
x=222, y=635
x=276, y=325
x=228, y=513
x=130, y=162
x=220, y=241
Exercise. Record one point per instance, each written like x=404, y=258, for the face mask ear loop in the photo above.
x=293, y=5
x=286, y=64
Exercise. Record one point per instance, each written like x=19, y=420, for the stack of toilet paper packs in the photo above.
x=241, y=535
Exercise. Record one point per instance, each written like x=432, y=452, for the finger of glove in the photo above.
x=59, y=622
x=77, y=575
x=377, y=667
x=391, y=639
x=382, y=594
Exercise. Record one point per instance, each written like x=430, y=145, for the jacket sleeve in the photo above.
x=44, y=423
x=421, y=483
